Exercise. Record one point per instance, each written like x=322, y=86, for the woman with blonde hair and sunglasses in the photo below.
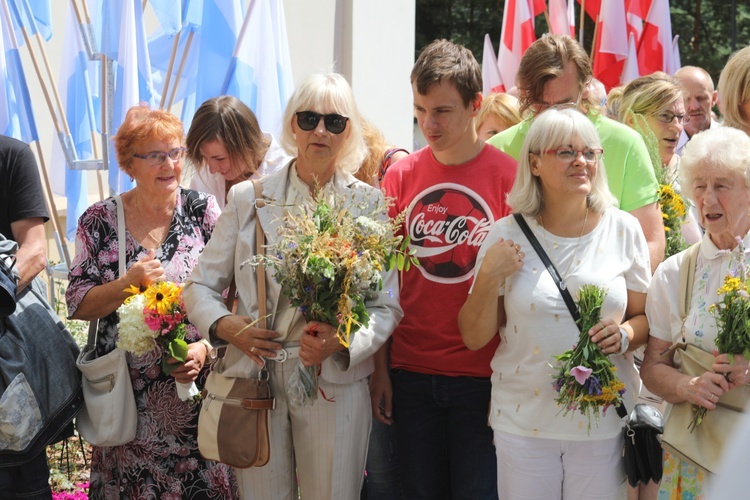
x=561, y=193
x=324, y=445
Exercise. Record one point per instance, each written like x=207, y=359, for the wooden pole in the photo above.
x=546, y=18
x=582, y=19
x=593, y=43
x=179, y=70
x=52, y=208
x=175, y=46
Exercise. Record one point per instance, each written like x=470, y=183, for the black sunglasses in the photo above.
x=308, y=120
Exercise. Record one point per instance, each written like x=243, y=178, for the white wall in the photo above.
x=371, y=43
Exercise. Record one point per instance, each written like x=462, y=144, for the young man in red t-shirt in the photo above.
x=452, y=191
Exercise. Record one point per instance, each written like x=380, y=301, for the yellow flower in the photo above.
x=132, y=289
x=162, y=296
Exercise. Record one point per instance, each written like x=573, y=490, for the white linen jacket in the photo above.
x=233, y=243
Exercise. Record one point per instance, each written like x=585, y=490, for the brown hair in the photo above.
x=143, y=124
x=648, y=95
x=444, y=60
x=229, y=120
x=546, y=59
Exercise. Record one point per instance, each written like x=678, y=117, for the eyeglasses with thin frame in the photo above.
x=668, y=117
x=334, y=123
x=591, y=155
x=158, y=157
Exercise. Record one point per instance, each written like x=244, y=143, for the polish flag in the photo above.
x=517, y=35
x=676, y=62
x=592, y=8
x=562, y=17
x=636, y=11
x=611, y=48
x=655, y=46
x=630, y=71
x=491, y=80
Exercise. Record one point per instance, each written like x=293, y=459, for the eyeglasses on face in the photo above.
x=538, y=107
x=591, y=155
x=334, y=123
x=668, y=117
x=159, y=157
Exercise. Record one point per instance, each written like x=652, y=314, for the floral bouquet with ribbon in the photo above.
x=156, y=316
x=586, y=380
x=732, y=315
x=328, y=262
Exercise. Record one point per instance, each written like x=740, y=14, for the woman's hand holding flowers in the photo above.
x=188, y=371
x=704, y=390
x=256, y=343
x=735, y=371
x=144, y=272
x=606, y=335
x=318, y=343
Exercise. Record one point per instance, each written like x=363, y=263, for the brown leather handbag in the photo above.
x=233, y=422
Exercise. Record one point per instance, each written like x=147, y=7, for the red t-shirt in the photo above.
x=449, y=212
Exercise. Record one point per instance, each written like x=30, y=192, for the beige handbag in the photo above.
x=233, y=421
x=704, y=446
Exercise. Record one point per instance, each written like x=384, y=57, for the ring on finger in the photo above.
x=252, y=349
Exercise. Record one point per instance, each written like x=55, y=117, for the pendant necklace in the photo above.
x=564, y=277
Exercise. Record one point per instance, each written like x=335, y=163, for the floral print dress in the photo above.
x=163, y=461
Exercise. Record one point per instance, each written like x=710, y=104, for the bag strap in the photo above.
x=260, y=241
x=687, y=277
x=94, y=325
x=572, y=307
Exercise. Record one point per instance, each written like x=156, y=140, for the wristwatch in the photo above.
x=211, y=354
x=624, y=342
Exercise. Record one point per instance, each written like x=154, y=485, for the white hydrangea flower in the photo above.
x=134, y=335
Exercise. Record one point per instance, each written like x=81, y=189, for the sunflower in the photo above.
x=162, y=296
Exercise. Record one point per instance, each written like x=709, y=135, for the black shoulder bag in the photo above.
x=641, y=447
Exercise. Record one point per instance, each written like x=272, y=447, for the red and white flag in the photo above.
x=655, y=46
x=636, y=11
x=611, y=48
x=676, y=62
x=491, y=80
x=630, y=71
x=517, y=35
x=562, y=17
x=592, y=8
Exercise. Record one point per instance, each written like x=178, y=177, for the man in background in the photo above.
x=22, y=217
x=700, y=98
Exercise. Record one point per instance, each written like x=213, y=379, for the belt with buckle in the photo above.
x=289, y=350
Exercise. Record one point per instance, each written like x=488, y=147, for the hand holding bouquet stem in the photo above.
x=586, y=380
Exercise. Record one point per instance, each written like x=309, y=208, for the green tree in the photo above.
x=704, y=27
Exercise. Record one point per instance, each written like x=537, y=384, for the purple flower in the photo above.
x=581, y=374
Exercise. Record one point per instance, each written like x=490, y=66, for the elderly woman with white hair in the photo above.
x=561, y=192
x=324, y=445
x=715, y=175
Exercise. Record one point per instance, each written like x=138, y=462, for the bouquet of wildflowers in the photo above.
x=732, y=315
x=157, y=314
x=327, y=262
x=673, y=213
x=586, y=380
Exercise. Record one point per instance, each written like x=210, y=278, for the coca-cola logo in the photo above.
x=447, y=224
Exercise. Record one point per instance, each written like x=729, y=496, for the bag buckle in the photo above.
x=263, y=374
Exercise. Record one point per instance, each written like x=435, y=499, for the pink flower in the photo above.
x=581, y=374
